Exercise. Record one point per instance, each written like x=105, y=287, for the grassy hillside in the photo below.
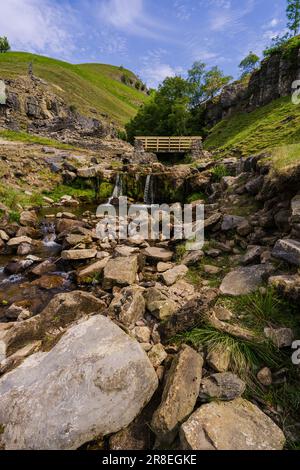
x=86, y=86
x=274, y=125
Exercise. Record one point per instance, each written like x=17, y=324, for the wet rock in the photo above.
x=49, y=282
x=45, y=267
x=158, y=254
x=62, y=310
x=72, y=255
x=25, y=249
x=264, y=376
x=120, y=271
x=17, y=267
x=66, y=225
x=179, y=395
x=174, y=274
x=281, y=337
x=243, y=281
x=157, y=355
x=28, y=218
x=254, y=185
x=14, y=311
x=288, y=250
x=235, y=425
x=103, y=380
x=128, y=306
x=225, y=386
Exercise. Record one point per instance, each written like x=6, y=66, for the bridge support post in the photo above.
x=197, y=149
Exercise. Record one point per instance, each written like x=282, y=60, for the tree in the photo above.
x=214, y=82
x=248, y=65
x=195, y=77
x=293, y=15
x=4, y=44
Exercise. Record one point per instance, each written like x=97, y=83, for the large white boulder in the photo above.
x=94, y=382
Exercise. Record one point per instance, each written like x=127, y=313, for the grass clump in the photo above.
x=77, y=191
x=196, y=197
x=219, y=172
x=245, y=357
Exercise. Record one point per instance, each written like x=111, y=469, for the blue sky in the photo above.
x=154, y=38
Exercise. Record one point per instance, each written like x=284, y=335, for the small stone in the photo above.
x=281, y=337
x=157, y=355
x=173, y=275
x=72, y=255
x=264, y=376
x=222, y=313
x=192, y=258
x=288, y=250
x=142, y=334
x=224, y=386
x=219, y=360
x=212, y=270
x=158, y=254
x=163, y=267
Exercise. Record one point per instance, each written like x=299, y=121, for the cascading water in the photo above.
x=149, y=191
x=118, y=189
x=48, y=230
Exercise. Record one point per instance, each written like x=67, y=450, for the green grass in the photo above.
x=245, y=357
x=57, y=193
x=84, y=86
x=274, y=125
x=286, y=157
x=32, y=139
x=13, y=198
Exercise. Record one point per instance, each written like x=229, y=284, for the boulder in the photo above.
x=193, y=257
x=94, y=382
x=158, y=303
x=225, y=386
x=28, y=218
x=245, y=280
x=14, y=242
x=288, y=250
x=180, y=394
x=234, y=425
x=66, y=225
x=96, y=269
x=231, y=222
x=120, y=271
x=128, y=306
x=295, y=205
x=74, y=255
x=287, y=285
x=44, y=267
x=62, y=310
x=173, y=275
x=281, y=337
x=155, y=254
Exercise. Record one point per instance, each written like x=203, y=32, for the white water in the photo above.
x=118, y=189
x=149, y=193
x=48, y=230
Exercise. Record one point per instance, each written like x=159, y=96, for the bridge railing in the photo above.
x=167, y=144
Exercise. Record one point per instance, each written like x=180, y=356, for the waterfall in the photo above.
x=118, y=189
x=149, y=192
x=48, y=229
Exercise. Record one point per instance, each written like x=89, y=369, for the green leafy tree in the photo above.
x=293, y=15
x=249, y=64
x=166, y=113
x=214, y=82
x=4, y=44
x=195, y=77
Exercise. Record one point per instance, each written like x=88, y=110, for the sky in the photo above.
x=154, y=38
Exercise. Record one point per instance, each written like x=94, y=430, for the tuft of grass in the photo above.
x=285, y=157
x=218, y=172
x=264, y=309
x=196, y=197
x=245, y=357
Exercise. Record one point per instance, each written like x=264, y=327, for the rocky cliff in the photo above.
x=31, y=106
x=273, y=80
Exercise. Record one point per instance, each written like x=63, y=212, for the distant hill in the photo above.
x=108, y=89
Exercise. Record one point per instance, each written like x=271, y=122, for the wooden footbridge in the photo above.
x=168, y=144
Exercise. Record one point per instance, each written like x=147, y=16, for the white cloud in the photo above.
x=131, y=17
x=37, y=25
x=155, y=68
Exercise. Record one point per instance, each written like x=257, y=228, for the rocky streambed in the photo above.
x=98, y=337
